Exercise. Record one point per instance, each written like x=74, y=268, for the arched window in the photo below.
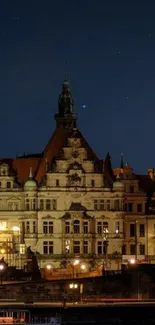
x=76, y=226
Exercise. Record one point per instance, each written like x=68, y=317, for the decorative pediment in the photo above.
x=48, y=217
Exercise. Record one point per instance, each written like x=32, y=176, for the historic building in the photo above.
x=74, y=211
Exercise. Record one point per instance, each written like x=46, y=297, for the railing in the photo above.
x=85, y=256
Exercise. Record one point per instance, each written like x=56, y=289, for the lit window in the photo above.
x=67, y=246
x=3, y=225
x=22, y=249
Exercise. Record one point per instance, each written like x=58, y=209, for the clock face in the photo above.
x=75, y=154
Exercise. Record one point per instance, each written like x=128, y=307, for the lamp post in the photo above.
x=73, y=287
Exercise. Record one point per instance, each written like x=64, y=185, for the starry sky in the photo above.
x=109, y=47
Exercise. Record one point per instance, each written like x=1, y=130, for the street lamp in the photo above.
x=132, y=261
x=48, y=267
x=73, y=286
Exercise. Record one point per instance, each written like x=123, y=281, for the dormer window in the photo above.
x=8, y=184
x=4, y=169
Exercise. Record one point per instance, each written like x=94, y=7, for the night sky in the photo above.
x=109, y=47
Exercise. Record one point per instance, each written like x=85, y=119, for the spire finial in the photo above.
x=122, y=161
x=30, y=174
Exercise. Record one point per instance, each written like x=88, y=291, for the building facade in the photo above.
x=73, y=210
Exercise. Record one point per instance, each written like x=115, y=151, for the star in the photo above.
x=84, y=106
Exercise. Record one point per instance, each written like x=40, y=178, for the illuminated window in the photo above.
x=22, y=249
x=76, y=226
x=3, y=225
x=105, y=227
x=67, y=227
x=117, y=227
x=67, y=246
x=76, y=247
x=48, y=247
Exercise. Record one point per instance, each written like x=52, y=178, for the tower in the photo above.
x=66, y=115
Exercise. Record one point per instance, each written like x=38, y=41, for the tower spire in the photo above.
x=66, y=115
x=122, y=161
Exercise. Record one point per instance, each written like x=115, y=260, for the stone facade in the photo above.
x=71, y=207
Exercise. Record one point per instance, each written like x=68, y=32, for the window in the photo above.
x=102, y=205
x=108, y=205
x=117, y=227
x=48, y=204
x=41, y=204
x=67, y=227
x=3, y=225
x=131, y=188
x=76, y=247
x=54, y=204
x=16, y=206
x=22, y=249
x=27, y=204
x=124, y=250
x=139, y=207
x=27, y=227
x=116, y=205
x=99, y=227
x=76, y=226
x=85, y=227
x=33, y=204
x=34, y=227
x=141, y=230
x=48, y=247
x=133, y=249
x=130, y=207
x=95, y=204
x=142, y=249
x=102, y=247
x=105, y=227
x=10, y=206
x=0, y=184
x=57, y=182
x=8, y=184
x=92, y=183
x=48, y=227
x=85, y=247
x=132, y=230
x=67, y=246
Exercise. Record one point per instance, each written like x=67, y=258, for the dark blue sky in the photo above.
x=110, y=50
